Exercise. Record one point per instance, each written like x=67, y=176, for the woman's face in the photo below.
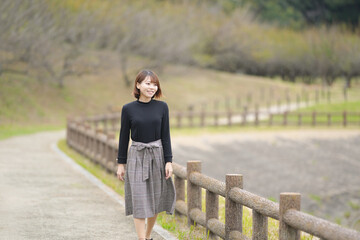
x=147, y=88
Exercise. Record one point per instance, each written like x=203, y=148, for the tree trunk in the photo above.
x=348, y=81
x=123, y=63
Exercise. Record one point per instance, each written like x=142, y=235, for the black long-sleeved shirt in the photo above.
x=148, y=121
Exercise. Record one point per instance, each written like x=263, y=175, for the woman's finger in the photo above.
x=166, y=173
x=120, y=177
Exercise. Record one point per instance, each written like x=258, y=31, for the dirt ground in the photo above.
x=322, y=165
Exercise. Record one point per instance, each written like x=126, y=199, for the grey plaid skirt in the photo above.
x=147, y=192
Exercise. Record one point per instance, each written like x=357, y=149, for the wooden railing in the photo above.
x=111, y=122
x=271, y=96
x=102, y=148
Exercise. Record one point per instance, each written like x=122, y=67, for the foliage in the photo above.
x=298, y=13
x=51, y=37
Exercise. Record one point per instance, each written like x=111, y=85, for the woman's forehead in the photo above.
x=148, y=79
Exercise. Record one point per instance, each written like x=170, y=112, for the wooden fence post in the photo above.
x=88, y=141
x=288, y=201
x=279, y=105
x=285, y=118
x=256, y=114
x=180, y=191
x=260, y=226
x=216, y=119
x=81, y=141
x=98, y=150
x=202, y=118
x=109, y=158
x=193, y=191
x=229, y=117
x=105, y=121
x=270, y=119
x=68, y=131
x=288, y=101
x=233, y=210
x=314, y=118
x=244, y=115
x=191, y=115
x=212, y=210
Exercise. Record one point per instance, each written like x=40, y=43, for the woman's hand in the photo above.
x=168, y=170
x=121, y=171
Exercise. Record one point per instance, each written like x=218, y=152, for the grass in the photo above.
x=322, y=118
x=316, y=198
x=334, y=107
x=354, y=206
x=177, y=225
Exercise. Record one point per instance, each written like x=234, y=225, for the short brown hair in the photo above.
x=141, y=77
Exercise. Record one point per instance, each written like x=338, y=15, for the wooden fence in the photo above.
x=111, y=122
x=102, y=148
x=264, y=118
x=269, y=96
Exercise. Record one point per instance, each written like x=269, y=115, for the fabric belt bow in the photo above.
x=148, y=156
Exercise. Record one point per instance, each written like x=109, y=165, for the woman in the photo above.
x=149, y=188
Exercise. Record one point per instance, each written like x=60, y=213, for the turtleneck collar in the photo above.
x=151, y=100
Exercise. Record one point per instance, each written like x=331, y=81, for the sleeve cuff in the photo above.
x=121, y=160
x=168, y=159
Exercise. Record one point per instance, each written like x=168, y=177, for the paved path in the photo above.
x=264, y=113
x=44, y=197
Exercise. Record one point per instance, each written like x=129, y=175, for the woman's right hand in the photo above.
x=121, y=172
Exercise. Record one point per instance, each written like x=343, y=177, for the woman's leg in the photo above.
x=140, y=227
x=150, y=224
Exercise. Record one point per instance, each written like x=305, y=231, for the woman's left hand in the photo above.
x=168, y=170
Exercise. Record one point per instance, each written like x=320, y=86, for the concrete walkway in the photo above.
x=45, y=195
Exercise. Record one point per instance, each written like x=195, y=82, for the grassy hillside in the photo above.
x=27, y=103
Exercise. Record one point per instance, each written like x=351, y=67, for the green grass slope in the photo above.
x=28, y=105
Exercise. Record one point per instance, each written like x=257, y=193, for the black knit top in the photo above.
x=148, y=121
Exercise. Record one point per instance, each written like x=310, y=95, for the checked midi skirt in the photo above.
x=147, y=192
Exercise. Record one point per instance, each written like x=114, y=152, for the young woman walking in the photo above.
x=146, y=167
